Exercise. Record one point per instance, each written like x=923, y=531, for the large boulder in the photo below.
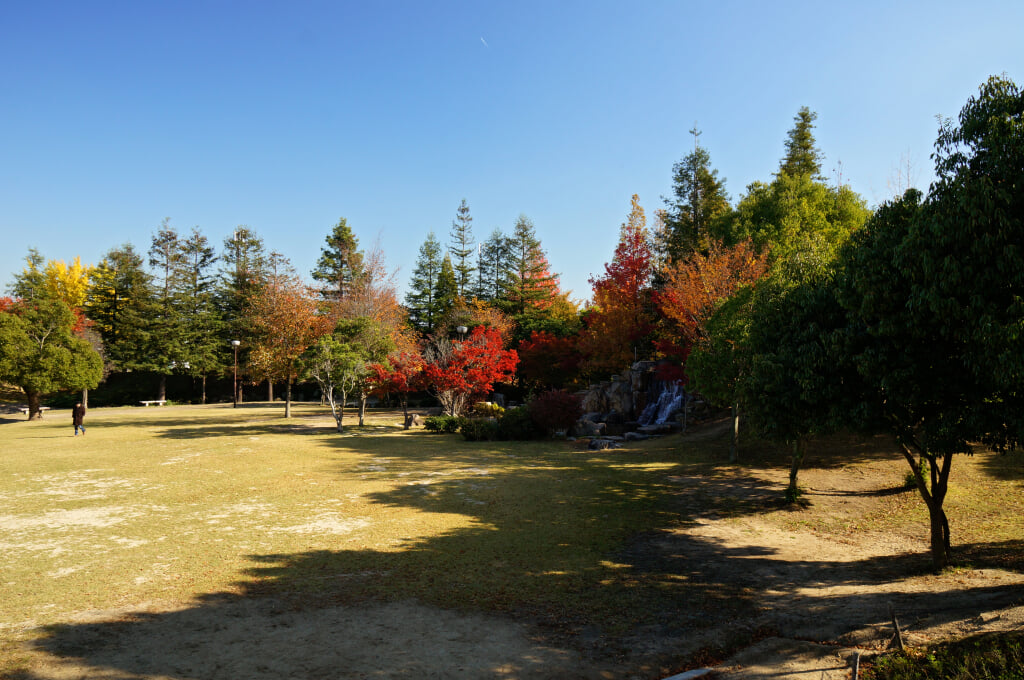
x=588, y=428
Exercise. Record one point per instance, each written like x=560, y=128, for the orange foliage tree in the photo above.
x=284, y=320
x=697, y=285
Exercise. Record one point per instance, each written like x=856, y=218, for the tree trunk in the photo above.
x=85, y=397
x=362, y=409
x=161, y=390
x=794, y=470
x=339, y=415
x=33, y=405
x=405, y=413
x=203, y=382
x=270, y=390
x=288, y=399
x=240, y=392
x=734, y=445
x=934, y=497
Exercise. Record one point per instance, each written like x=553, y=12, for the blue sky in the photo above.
x=286, y=116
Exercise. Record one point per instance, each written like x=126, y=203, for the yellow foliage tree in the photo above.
x=69, y=283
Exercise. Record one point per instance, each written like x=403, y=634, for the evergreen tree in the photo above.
x=120, y=304
x=340, y=264
x=203, y=349
x=31, y=283
x=802, y=156
x=168, y=327
x=244, y=272
x=798, y=216
x=447, y=293
x=461, y=248
x=493, y=267
x=422, y=301
x=696, y=209
x=530, y=284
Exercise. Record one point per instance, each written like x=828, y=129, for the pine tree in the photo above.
x=204, y=352
x=493, y=267
x=244, y=272
x=168, y=327
x=422, y=300
x=698, y=204
x=802, y=156
x=461, y=248
x=340, y=264
x=120, y=304
x=31, y=283
x=530, y=283
x=447, y=293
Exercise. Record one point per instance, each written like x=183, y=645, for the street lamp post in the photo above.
x=461, y=330
x=234, y=379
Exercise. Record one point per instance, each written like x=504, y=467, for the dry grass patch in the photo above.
x=617, y=552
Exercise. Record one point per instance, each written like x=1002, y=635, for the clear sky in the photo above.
x=286, y=116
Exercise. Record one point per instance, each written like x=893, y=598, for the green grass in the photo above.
x=176, y=506
x=986, y=657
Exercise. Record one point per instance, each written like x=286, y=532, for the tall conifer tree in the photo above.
x=698, y=204
x=461, y=249
x=340, y=264
x=422, y=298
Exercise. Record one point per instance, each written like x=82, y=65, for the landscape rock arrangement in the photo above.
x=633, y=406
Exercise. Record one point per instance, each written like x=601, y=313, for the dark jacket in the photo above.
x=77, y=415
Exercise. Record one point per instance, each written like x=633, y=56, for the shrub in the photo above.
x=443, y=424
x=556, y=410
x=479, y=429
x=485, y=409
x=516, y=424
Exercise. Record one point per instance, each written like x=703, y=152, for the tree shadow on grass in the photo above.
x=597, y=575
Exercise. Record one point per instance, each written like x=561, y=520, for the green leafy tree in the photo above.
x=795, y=385
x=697, y=208
x=338, y=366
x=718, y=364
x=461, y=249
x=422, y=301
x=41, y=353
x=340, y=264
x=934, y=289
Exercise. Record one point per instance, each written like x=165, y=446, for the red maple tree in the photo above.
x=401, y=375
x=546, y=359
x=621, y=315
x=458, y=371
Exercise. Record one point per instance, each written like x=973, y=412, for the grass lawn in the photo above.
x=179, y=504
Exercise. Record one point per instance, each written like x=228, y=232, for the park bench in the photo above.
x=158, y=402
x=24, y=409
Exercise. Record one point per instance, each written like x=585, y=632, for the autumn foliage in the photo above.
x=621, y=314
x=696, y=286
x=284, y=320
x=548, y=359
x=458, y=371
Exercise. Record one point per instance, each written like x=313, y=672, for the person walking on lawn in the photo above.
x=78, y=418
